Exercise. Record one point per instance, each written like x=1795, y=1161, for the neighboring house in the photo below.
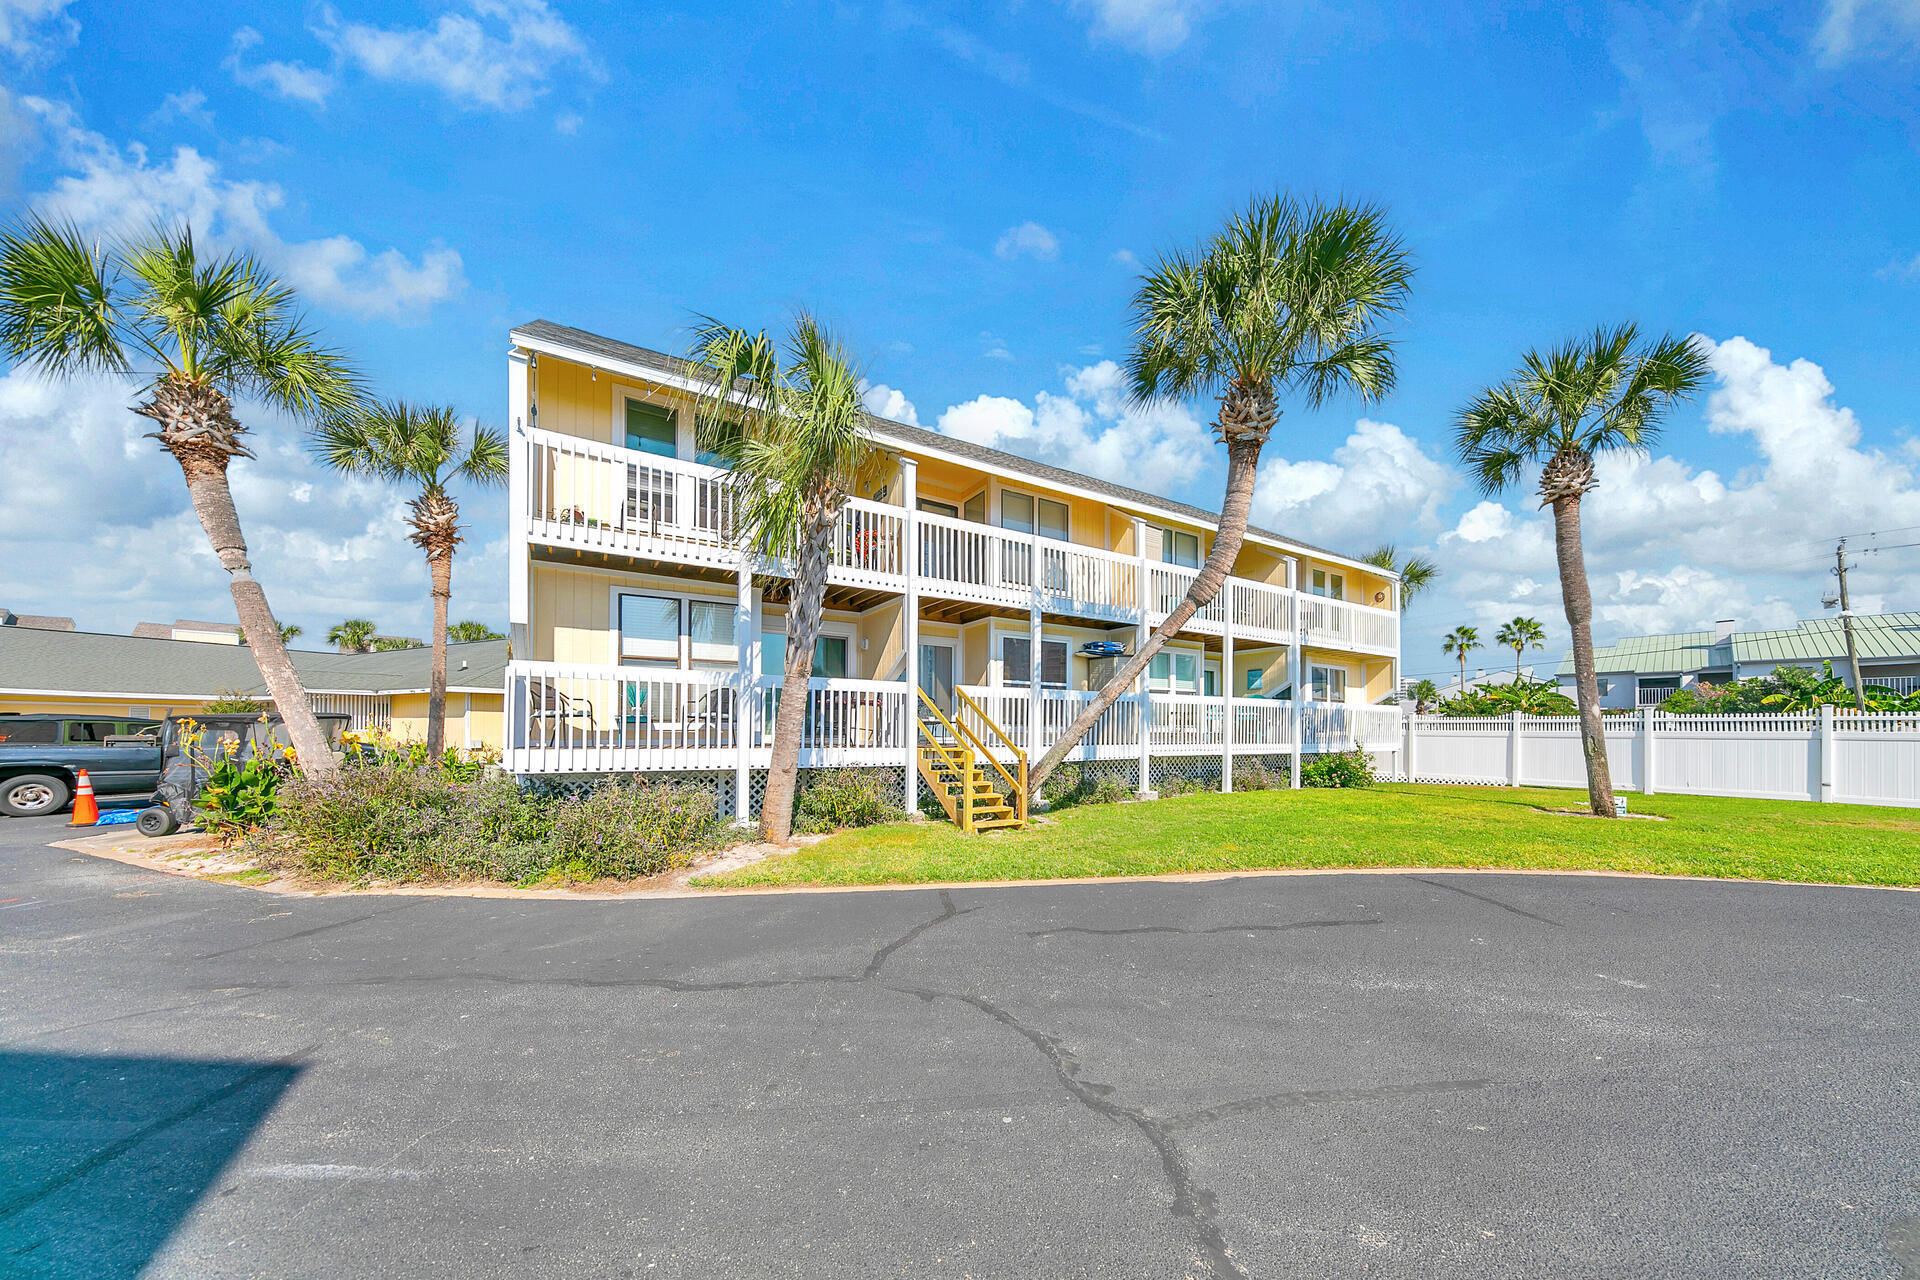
x=34, y=622
x=1643, y=670
x=1482, y=678
x=147, y=678
x=185, y=629
x=650, y=643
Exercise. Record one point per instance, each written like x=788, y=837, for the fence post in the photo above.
x=1513, y=749
x=1408, y=758
x=1142, y=689
x=1825, y=746
x=1648, y=753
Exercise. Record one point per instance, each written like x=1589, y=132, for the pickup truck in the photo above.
x=41, y=757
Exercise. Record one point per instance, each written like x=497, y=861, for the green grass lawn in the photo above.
x=1387, y=826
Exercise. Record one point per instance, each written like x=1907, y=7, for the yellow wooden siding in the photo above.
x=106, y=708
x=882, y=642
x=470, y=717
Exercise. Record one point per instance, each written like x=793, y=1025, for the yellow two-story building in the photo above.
x=647, y=641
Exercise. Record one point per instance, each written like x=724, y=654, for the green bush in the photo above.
x=831, y=799
x=388, y=819
x=1342, y=769
x=1263, y=775
x=1075, y=784
x=1179, y=784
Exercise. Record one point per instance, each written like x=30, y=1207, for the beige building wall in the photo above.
x=471, y=717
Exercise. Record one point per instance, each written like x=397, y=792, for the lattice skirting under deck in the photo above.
x=717, y=781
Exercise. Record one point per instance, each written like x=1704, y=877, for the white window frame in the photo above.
x=687, y=655
x=617, y=411
x=1021, y=637
x=1170, y=683
x=1313, y=679
x=777, y=626
x=1066, y=534
x=1169, y=538
x=1335, y=587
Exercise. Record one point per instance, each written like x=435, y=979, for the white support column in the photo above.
x=1296, y=672
x=1226, y=694
x=746, y=634
x=1036, y=572
x=1648, y=752
x=1513, y=749
x=1824, y=744
x=910, y=627
x=1143, y=695
x=519, y=506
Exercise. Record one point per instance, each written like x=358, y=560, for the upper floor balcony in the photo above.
x=579, y=493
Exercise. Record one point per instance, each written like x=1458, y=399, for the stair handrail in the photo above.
x=1019, y=788
x=961, y=731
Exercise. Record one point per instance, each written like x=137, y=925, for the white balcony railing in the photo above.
x=584, y=494
x=1340, y=624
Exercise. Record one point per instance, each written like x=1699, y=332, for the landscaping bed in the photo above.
x=1394, y=825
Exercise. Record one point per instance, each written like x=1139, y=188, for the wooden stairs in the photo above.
x=978, y=792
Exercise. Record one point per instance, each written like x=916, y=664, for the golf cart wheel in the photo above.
x=32, y=794
x=156, y=821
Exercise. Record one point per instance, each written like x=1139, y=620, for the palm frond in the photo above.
x=487, y=460
x=58, y=313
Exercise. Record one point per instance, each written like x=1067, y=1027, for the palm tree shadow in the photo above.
x=105, y=1155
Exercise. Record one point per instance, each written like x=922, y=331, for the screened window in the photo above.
x=650, y=428
x=1174, y=672
x=939, y=508
x=975, y=508
x=1329, y=684
x=710, y=632
x=1331, y=585
x=1180, y=547
x=649, y=629
x=1212, y=683
x=830, y=657
x=1016, y=662
x=1018, y=511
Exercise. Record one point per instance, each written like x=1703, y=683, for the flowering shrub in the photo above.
x=1073, y=784
x=1262, y=775
x=830, y=799
x=1338, y=769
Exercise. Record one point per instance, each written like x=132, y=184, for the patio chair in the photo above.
x=554, y=710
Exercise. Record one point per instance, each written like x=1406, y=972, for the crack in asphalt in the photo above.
x=947, y=912
x=1454, y=888
x=1190, y=1200
x=1309, y=1097
x=1225, y=928
x=308, y=933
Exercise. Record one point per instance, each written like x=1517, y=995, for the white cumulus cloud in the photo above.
x=1028, y=240
x=1149, y=26
x=1379, y=477
x=33, y=30
x=887, y=402
x=293, y=81
x=498, y=54
x=1091, y=429
x=121, y=190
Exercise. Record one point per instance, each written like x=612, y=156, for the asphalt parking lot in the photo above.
x=1327, y=1075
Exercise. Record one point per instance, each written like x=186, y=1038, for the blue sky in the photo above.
x=965, y=190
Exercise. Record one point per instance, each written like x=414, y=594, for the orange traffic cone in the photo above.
x=86, y=810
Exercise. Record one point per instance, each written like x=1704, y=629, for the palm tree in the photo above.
x=472, y=632
x=1425, y=694
x=789, y=420
x=387, y=644
x=196, y=333
x=1459, y=642
x=1416, y=573
x=290, y=631
x=1518, y=635
x=1287, y=297
x=355, y=635
x=424, y=447
x=1559, y=411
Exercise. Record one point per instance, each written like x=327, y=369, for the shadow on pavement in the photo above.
x=101, y=1157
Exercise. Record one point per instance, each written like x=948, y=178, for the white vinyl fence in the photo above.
x=1836, y=756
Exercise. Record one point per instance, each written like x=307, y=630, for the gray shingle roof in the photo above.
x=34, y=621
x=1877, y=637
x=918, y=437
x=90, y=662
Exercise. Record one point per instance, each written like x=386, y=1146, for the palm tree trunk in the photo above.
x=1243, y=456
x=1578, y=599
x=206, y=476
x=803, y=627
x=441, y=567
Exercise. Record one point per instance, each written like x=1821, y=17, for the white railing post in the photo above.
x=1649, y=727
x=1296, y=674
x=1226, y=694
x=519, y=503
x=745, y=625
x=910, y=628
x=1141, y=691
x=1034, y=664
x=1513, y=749
x=1825, y=746
x=1407, y=760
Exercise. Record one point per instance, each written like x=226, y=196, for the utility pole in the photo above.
x=1846, y=624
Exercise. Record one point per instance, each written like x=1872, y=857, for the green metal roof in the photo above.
x=92, y=662
x=1877, y=637
x=1649, y=655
